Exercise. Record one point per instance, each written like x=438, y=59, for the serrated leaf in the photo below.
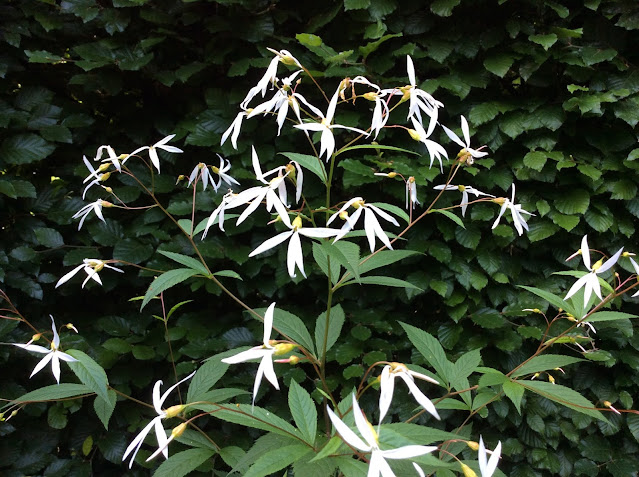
x=451, y=216
x=186, y=261
x=54, y=392
x=49, y=237
x=276, y=460
x=255, y=417
x=228, y=274
x=551, y=298
x=565, y=396
x=499, y=64
x=430, y=349
x=607, y=315
x=312, y=163
x=336, y=322
x=90, y=373
x=515, y=392
x=206, y=377
x=303, y=411
x=383, y=281
x=575, y=201
x=444, y=8
x=292, y=326
x=544, y=362
x=535, y=160
x=166, y=281
x=24, y=149
x=182, y=463
x=544, y=40
x=356, y=4
x=104, y=409
x=383, y=258
x=483, y=113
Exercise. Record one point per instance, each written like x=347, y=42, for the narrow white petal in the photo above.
x=610, y=262
x=164, y=140
x=272, y=242
x=160, y=435
x=69, y=275
x=43, y=362
x=294, y=256
x=137, y=442
x=410, y=69
x=155, y=160
x=408, y=452
x=269, y=371
x=453, y=137
x=501, y=212
x=419, y=396
x=56, y=337
x=65, y=357
x=34, y=348
x=493, y=461
x=387, y=386
x=55, y=366
x=268, y=323
x=168, y=391
x=157, y=404
x=349, y=436
x=384, y=215
x=256, y=352
x=378, y=466
x=362, y=425
x=318, y=232
x=577, y=286
x=465, y=130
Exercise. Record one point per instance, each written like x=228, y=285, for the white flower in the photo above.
x=466, y=149
x=113, y=157
x=381, y=112
x=294, y=257
x=156, y=422
x=282, y=171
x=377, y=464
x=234, y=129
x=223, y=176
x=487, y=467
x=269, y=77
x=515, y=210
x=153, y=153
x=411, y=193
x=325, y=126
x=387, y=386
x=590, y=281
x=202, y=169
x=636, y=267
x=435, y=150
x=91, y=267
x=219, y=212
x=371, y=224
x=264, y=352
x=99, y=177
x=465, y=190
x=52, y=354
x=92, y=207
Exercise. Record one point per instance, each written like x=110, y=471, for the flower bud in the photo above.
x=293, y=360
x=597, y=265
x=499, y=200
x=414, y=134
x=288, y=60
x=551, y=378
x=174, y=411
x=370, y=96
x=473, y=445
x=179, y=430
x=283, y=348
x=105, y=203
x=358, y=204
x=36, y=337
x=108, y=189
x=297, y=223
x=468, y=472
x=627, y=254
x=69, y=326
x=105, y=176
x=103, y=167
x=343, y=215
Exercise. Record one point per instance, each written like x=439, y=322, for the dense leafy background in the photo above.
x=550, y=87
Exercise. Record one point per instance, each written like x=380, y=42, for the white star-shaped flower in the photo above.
x=153, y=153
x=264, y=353
x=91, y=267
x=515, y=210
x=371, y=224
x=488, y=467
x=156, y=422
x=53, y=354
x=92, y=207
x=295, y=257
x=465, y=190
x=435, y=150
x=466, y=149
x=590, y=281
x=387, y=386
x=377, y=465
x=234, y=129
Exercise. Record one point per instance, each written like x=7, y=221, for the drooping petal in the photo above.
x=69, y=275
x=272, y=242
x=168, y=391
x=362, y=425
x=55, y=366
x=269, y=371
x=408, y=452
x=386, y=389
x=136, y=443
x=160, y=435
x=268, y=323
x=155, y=160
x=577, y=286
x=419, y=396
x=349, y=436
x=294, y=257
x=43, y=362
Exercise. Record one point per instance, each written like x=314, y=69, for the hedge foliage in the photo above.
x=552, y=89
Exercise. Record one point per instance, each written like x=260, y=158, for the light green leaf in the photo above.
x=330, y=448
x=206, y=377
x=515, y=392
x=376, y=147
x=186, y=261
x=544, y=363
x=292, y=326
x=104, y=409
x=383, y=258
x=609, y=316
x=335, y=325
x=444, y=8
x=312, y=163
x=277, y=459
x=393, y=209
x=320, y=255
x=551, y=298
x=499, y=64
x=356, y=4
x=371, y=47
x=256, y=417
x=383, y=281
x=89, y=373
x=451, y=216
x=535, y=160
x=565, y=396
x=53, y=392
x=342, y=253
x=166, y=281
x=228, y=273
x=182, y=463
x=432, y=351
x=303, y=411
x=544, y=40
x=309, y=40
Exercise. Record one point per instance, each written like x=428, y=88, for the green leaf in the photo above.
x=535, y=160
x=228, y=274
x=312, y=163
x=53, y=392
x=42, y=56
x=544, y=363
x=186, y=261
x=515, y=392
x=551, y=298
x=303, y=411
x=49, y=237
x=451, y=216
x=544, y=40
x=335, y=325
x=206, y=377
x=609, y=316
x=574, y=201
x=309, y=40
x=182, y=463
x=131, y=250
x=330, y=448
x=623, y=190
x=393, y=209
x=277, y=459
x=255, y=417
x=383, y=281
x=444, y=8
x=373, y=46
x=565, y=396
x=566, y=222
x=499, y=64
x=166, y=281
x=320, y=255
x=104, y=409
x=377, y=147
x=432, y=351
x=383, y=258
x=24, y=149
x=483, y=113
x=356, y=4
x=89, y=373
x=592, y=55
x=292, y=326
x=343, y=253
